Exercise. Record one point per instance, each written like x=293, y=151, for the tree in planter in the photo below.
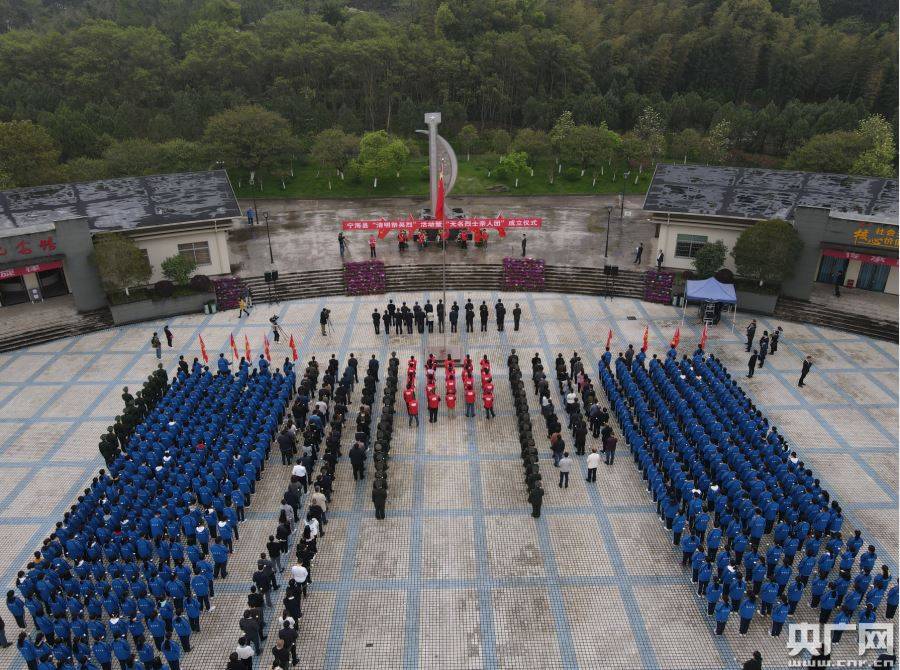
x=178, y=268
x=512, y=166
x=120, y=263
x=251, y=138
x=380, y=156
x=333, y=148
x=467, y=139
x=767, y=251
x=710, y=257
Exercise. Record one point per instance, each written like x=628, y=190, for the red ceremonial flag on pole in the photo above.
x=609, y=338
x=203, y=353
x=293, y=349
x=266, y=349
x=646, y=338
x=234, y=350
x=703, y=337
x=439, y=203
x=676, y=338
x=247, y=351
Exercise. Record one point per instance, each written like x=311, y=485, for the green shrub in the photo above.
x=163, y=289
x=571, y=174
x=178, y=268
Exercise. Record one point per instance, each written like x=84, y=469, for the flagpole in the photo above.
x=444, y=278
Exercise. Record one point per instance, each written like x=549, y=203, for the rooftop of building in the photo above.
x=121, y=204
x=757, y=194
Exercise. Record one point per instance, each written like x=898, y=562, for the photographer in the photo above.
x=276, y=329
x=324, y=320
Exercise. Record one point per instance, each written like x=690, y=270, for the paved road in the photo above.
x=304, y=232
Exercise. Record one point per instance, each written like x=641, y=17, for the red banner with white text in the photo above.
x=434, y=224
x=865, y=258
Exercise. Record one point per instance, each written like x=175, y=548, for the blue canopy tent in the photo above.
x=710, y=290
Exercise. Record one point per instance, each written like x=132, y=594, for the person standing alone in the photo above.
x=565, y=467
x=807, y=366
x=156, y=344
x=524, y=243
x=169, y=337
x=638, y=252
x=593, y=460
x=372, y=246
x=751, y=364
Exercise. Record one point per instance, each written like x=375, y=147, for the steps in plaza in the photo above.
x=461, y=276
x=75, y=324
x=591, y=281
x=817, y=315
x=298, y=285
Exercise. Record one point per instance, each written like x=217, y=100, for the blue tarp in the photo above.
x=710, y=290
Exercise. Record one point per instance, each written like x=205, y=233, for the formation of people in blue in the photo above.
x=756, y=528
x=130, y=571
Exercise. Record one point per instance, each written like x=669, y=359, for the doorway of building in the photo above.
x=13, y=292
x=873, y=276
x=828, y=266
x=52, y=283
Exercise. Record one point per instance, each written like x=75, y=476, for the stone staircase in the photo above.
x=460, y=276
x=67, y=326
x=817, y=315
x=298, y=285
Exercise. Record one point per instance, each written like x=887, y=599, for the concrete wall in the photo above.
x=758, y=303
x=145, y=310
x=163, y=245
x=74, y=240
x=810, y=223
x=668, y=236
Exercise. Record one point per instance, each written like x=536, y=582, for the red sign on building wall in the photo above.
x=28, y=269
x=864, y=258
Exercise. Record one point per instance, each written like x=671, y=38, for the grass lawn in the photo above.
x=312, y=182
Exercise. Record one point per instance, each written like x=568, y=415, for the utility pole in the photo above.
x=269, y=236
x=609, y=210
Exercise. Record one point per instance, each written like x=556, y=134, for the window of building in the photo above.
x=198, y=251
x=687, y=246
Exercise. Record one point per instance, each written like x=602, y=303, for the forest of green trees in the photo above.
x=94, y=88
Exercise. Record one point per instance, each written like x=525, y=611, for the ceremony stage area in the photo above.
x=459, y=574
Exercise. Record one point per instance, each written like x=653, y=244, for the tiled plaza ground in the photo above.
x=459, y=575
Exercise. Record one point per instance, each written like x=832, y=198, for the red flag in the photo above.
x=703, y=337
x=266, y=351
x=203, y=353
x=445, y=235
x=609, y=338
x=439, y=203
x=501, y=232
x=247, y=353
x=646, y=338
x=234, y=350
x=382, y=233
x=676, y=338
x=293, y=349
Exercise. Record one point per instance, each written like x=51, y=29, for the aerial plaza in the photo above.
x=594, y=368
x=462, y=568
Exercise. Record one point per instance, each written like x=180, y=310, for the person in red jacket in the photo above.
x=434, y=402
x=451, y=401
x=409, y=393
x=412, y=408
x=485, y=364
x=488, y=400
x=470, y=400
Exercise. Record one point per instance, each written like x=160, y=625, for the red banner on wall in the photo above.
x=28, y=269
x=433, y=224
x=864, y=258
